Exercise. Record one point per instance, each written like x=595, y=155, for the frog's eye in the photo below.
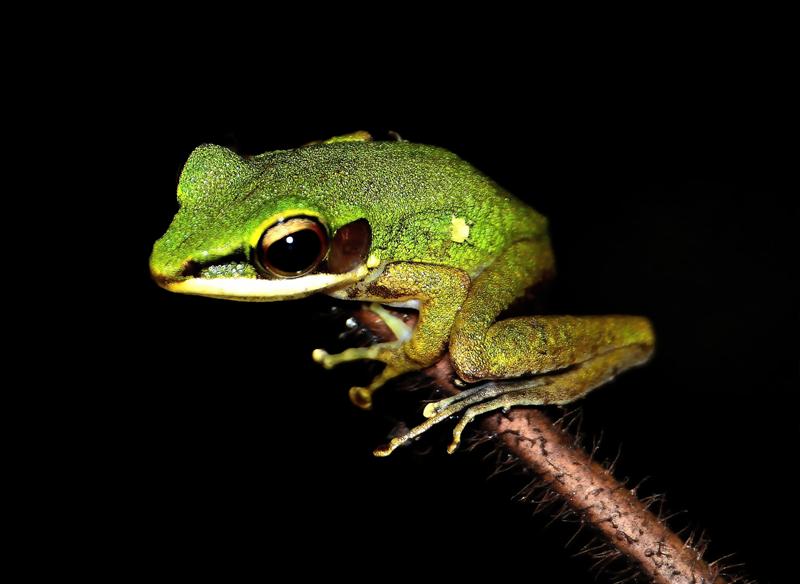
x=292, y=248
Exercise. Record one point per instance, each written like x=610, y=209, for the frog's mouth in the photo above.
x=260, y=289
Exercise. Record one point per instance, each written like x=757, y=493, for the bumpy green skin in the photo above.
x=408, y=192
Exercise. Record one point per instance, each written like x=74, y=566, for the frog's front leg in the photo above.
x=400, y=330
x=440, y=292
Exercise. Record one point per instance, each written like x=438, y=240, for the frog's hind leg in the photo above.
x=561, y=388
x=528, y=361
x=557, y=388
x=483, y=348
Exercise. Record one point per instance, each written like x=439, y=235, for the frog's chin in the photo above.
x=259, y=290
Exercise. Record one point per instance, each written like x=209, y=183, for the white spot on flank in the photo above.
x=459, y=230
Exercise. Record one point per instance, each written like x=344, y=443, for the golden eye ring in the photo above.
x=292, y=248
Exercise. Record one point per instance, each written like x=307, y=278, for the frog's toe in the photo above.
x=385, y=451
x=362, y=397
x=329, y=361
x=438, y=406
x=320, y=356
x=468, y=416
x=430, y=410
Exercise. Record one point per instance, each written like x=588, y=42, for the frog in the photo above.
x=401, y=226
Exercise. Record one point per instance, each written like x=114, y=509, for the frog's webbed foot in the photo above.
x=390, y=353
x=480, y=392
x=475, y=401
x=556, y=388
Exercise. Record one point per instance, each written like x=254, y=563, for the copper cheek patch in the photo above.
x=349, y=247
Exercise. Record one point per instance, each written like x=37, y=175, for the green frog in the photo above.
x=396, y=224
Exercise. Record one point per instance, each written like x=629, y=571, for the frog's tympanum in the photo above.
x=399, y=225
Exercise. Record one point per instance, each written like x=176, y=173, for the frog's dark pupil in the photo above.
x=295, y=252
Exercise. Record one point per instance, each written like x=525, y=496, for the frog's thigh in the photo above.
x=484, y=349
x=441, y=291
x=520, y=266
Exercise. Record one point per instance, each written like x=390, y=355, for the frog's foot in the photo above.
x=397, y=363
x=384, y=352
x=473, y=402
x=434, y=408
x=391, y=353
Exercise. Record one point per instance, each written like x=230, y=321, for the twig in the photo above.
x=588, y=489
x=591, y=491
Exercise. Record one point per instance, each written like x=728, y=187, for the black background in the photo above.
x=669, y=194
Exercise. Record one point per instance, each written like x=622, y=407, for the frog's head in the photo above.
x=258, y=229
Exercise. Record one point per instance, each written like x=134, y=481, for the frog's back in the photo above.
x=424, y=203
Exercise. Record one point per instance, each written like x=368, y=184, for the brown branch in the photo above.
x=587, y=488
x=592, y=492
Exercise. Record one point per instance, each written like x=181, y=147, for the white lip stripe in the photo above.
x=258, y=290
